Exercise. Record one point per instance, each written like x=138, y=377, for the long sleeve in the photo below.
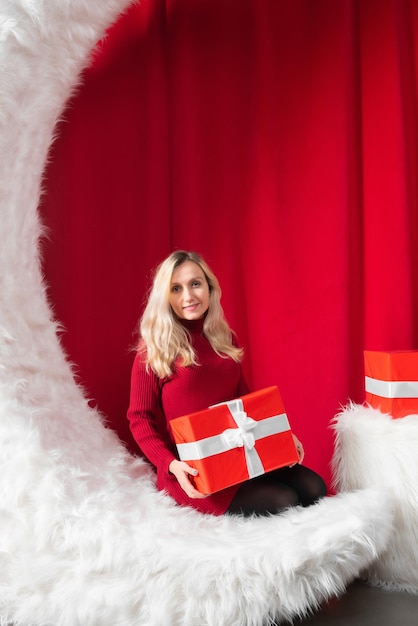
x=145, y=416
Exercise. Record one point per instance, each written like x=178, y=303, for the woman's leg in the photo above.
x=278, y=490
x=262, y=497
x=308, y=485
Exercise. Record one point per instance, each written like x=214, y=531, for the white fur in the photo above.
x=374, y=450
x=85, y=537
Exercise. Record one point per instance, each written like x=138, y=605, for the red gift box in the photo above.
x=237, y=440
x=391, y=381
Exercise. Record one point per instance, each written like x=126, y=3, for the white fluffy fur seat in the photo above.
x=374, y=450
x=85, y=538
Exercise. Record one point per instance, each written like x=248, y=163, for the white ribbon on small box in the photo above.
x=392, y=388
x=247, y=432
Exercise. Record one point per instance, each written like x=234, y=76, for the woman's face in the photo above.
x=189, y=291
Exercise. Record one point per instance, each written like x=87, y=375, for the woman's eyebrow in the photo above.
x=189, y=280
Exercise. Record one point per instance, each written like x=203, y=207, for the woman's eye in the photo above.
x=175, y=289
x=196, y=283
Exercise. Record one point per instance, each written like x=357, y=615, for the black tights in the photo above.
x=278, y=490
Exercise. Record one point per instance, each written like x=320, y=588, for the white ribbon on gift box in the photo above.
x=392, y=388
x=248, y=431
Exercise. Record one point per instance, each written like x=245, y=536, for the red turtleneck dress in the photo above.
x=155, y=401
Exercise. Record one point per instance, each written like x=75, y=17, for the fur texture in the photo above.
x=85, y=537
x=374, y=450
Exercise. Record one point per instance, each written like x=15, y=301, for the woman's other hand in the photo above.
x=299, y=448
x=183, y=472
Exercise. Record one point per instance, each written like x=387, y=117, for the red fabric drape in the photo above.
x=279, y=139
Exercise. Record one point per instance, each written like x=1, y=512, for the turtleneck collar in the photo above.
x=193, y=326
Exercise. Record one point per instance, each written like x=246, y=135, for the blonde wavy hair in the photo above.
x=163, y=339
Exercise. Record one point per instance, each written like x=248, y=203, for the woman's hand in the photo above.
x=299, y=448
x=182, y=471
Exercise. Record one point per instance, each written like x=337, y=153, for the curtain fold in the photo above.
x=277, y=138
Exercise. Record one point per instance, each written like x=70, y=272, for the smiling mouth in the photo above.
x=191, y=306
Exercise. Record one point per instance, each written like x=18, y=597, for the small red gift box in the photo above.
x=237, y=440
x=391, y=381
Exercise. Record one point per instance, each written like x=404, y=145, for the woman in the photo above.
x=187, y=360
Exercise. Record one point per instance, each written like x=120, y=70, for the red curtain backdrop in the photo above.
x=279, y=139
